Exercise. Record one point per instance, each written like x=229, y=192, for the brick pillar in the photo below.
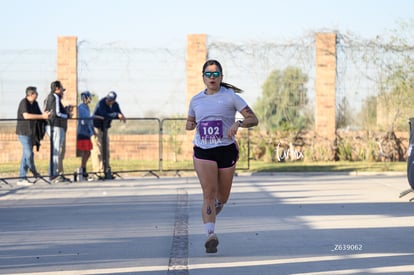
x=196, y=57
x=67, y=60
x=325, y=85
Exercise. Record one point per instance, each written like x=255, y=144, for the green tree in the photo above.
x=368, y=115
x=393, y=60
x=283, y=101
x=396, y=98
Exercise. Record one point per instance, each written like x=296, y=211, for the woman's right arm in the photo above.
x=191, y=123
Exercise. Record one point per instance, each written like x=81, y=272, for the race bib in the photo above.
x=211, y=131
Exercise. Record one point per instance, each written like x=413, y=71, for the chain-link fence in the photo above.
x=152, y=82
x=374, y=79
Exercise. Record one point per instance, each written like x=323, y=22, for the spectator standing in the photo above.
x=29, y=117
x=56, y=129
x=85, y=131
x=106, y=110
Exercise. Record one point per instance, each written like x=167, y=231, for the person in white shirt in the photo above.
x=212, y=113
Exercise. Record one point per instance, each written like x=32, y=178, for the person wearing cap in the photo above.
x=28, y=117
x=56, y=127
x=85, y=131
x=106, y=110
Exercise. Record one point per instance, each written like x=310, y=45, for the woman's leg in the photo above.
x=225, y=175
x=225, y=182
x=85, y=157
x=207, y=173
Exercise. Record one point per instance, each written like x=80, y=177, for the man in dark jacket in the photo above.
x=106, y=110
x=56, y=129
x=28, y=115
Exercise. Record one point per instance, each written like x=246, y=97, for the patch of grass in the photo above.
x=12, y=169
x=340, y=166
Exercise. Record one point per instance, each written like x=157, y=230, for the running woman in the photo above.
x=212, y=112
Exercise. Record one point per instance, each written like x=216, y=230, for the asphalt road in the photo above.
x=303, y=223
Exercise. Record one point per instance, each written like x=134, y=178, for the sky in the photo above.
x=160, y=23
x=36, y=24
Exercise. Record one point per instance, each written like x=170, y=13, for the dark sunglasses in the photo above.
x=214, y=74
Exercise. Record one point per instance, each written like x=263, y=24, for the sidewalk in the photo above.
x=273, y=224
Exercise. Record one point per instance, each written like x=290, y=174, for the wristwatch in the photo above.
x=240, y=122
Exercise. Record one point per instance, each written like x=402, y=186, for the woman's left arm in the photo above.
x=249, y=120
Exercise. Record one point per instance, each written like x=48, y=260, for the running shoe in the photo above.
x=211, y=243
x=24, y=182
x=60, y=179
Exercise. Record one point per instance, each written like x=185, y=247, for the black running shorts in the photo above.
x=225, y=156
